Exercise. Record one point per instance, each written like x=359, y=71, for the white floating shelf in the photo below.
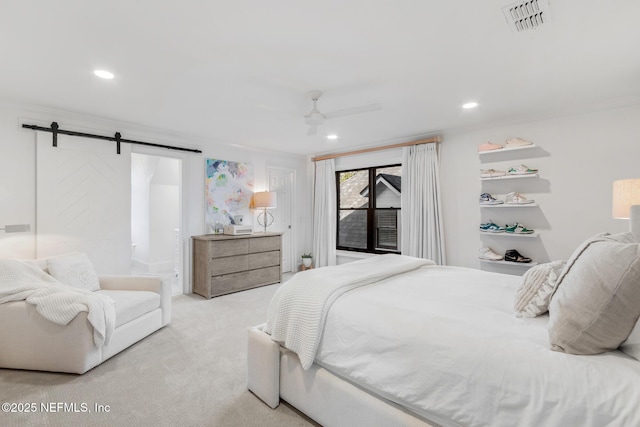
x=495, y=178
x=515, y=264
x=505, y=234
x=510, y=205
x=503, y=150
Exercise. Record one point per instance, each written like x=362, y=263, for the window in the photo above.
x=369, y=221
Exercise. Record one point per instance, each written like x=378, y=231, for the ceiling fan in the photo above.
x=315, y=118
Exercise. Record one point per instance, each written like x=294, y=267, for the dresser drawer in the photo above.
x=225, y=248
x=232, y=264
x=247, y=279
x=264, y=244
x=264, y=259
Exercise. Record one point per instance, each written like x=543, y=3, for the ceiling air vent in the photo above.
x=527, y=14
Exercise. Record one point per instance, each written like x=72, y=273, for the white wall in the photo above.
x=17, y=172
x=579, y=157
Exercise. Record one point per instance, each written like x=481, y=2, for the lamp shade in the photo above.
x=626, y=193
x=264, y=199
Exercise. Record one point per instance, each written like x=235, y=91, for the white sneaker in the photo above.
x=522, y=170
x=488, y=253
x=491, y=173
x=517, y=199
x=516, y=142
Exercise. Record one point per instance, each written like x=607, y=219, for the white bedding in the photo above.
x=298, y=310
x=444, y=342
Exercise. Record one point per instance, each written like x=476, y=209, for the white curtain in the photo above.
x=324, y=214
x=422, y=230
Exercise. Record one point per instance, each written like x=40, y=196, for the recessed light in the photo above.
x=103, y=74
x=332, y=136
x=469, y=105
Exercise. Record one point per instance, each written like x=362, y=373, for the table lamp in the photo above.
x=265, y=200
x=626, y=203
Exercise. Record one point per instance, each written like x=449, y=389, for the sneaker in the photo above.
x=488, y=199
x=516, y=142
x=490, y=254
x=488, y=146
x=491, y=227
x=522, y=170
x=514, y=256
x=517, y=199
x=491, y=173
x=517, y=229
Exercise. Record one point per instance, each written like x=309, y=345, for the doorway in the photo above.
x=282, y=181
x=156, y=235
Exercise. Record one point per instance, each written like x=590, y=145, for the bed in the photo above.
x=436, y=346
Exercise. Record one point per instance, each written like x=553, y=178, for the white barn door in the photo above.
x=282, y=182
x=84, y=201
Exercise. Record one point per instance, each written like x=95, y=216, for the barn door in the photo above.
x=84, y=201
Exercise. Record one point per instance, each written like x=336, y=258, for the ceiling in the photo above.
x=239, y=71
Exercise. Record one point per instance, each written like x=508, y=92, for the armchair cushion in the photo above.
x=131, y=305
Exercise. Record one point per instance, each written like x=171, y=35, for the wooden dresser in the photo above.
x=223, y=264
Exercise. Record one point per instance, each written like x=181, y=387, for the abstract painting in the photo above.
x=229, y=188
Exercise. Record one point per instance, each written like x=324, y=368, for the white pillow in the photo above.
x=75, y=270
x=534, y=290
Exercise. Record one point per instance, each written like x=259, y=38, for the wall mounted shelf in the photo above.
x=505, y=234
x=498, y=178
x=515, y=264
x=510, y=205
x=503, y=150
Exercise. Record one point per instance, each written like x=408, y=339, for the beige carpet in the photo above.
x=190, y=373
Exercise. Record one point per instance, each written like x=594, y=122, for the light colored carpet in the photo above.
x=190, y=373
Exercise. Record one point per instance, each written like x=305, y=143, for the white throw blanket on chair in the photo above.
x=58, y=303
x=298, y=310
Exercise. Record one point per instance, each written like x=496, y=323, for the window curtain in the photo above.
x=422, y=229
x=324, y=214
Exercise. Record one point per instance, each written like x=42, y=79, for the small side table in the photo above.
x=303, y=268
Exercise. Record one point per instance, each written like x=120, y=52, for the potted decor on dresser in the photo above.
x=306, y=261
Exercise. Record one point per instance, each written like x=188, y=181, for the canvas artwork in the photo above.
x=229, y=188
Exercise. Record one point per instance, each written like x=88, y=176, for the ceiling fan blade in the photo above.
x=312, y=130
x=354, y=110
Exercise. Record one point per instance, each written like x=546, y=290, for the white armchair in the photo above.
x=29, y=341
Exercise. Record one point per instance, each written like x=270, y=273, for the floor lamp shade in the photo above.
x=626, y=193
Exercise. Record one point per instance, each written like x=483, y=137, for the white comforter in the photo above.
x=297, y=312
x=58, y=303
x=444, y=342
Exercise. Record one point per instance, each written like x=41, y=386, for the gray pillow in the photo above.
x=534, y=290
x=597, y=298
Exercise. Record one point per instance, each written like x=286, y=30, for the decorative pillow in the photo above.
x=597, y=298
x=74, y=269
x=534, y=291
x=632, y=345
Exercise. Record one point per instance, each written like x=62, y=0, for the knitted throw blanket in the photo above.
x=298, y=310
x=58, y=303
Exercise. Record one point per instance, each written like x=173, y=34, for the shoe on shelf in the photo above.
x=489, y=146
x=517, y=199
x=491, y=173
x=514, y=256
x=490, y=254
x=491, y=227
x=516, y=142
x=517, y=229
x=488, y=199
x=522, y=170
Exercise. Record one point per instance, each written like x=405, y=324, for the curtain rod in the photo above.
x=117, y=138
x=436, y=138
